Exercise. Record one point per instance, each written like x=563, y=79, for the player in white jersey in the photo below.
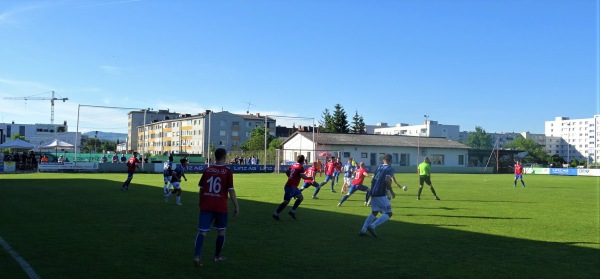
x=167, y=174
x=178, y=173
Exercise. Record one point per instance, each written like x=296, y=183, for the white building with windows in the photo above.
x=429, y=128
x=38, y=134
x=573, y=138
x=406, y=151
x=195, y=134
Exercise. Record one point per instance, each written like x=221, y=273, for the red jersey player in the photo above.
x=294, y=174
x=329, y=169
x=519, y=174
x=337, y=169
x=132, y=164
x=216, y=183
x=357, y=184
x=310, y=173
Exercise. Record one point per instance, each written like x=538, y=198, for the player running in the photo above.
x=167, y=174
x=357, y=184
x=132, y=164
x=337, y=169
x=348, y=174
x=310, y=173
x=178, y=173
x=381, y=183
x=294, y=174
x=329, y=167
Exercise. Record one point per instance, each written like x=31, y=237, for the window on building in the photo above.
x=395, y=158
x=346, y=155
x=222, y=123
x=436, y=159
x=404, y=159
x=364, y=155
x=461, y=160
x=235, y=123
x=223, y=133
x=234, y=133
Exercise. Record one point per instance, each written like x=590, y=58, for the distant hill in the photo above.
x=107, y=136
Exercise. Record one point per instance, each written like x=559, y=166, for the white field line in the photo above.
x=24, y=265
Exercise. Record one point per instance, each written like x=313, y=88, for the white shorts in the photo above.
x=348, y=180
x=168, y=179
x=175, y=185
x=381, y=204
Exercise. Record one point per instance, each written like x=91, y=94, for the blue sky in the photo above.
x=506, y=66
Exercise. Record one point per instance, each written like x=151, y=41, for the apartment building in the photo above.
x=429, y=128
x=573, y=138
x=195, y=134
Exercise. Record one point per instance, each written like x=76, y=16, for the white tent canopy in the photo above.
x=18, y=144
x=55, y=144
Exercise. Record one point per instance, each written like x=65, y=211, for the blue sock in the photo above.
x=316, y=191
x=198, y=246
x=220, y=243
x=344, y=198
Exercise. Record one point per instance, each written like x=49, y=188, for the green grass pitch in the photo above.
x=83, y=226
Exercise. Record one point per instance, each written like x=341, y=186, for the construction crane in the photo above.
x=42, y=98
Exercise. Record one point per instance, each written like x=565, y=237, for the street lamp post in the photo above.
x=426, y=125
x=568, y=145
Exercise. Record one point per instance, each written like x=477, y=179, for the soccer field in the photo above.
x=83, y=226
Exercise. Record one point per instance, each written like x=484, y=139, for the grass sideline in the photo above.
x=83, y=226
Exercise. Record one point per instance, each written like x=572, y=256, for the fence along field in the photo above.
x=82, y=226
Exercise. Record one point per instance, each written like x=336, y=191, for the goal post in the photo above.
x=297, y=123
x=111, y=122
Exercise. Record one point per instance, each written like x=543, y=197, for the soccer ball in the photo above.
x=405, y=188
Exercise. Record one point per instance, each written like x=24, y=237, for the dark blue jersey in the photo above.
x=378, y=186
x=178, y=173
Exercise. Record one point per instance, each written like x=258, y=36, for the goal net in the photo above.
x=286, y=127
x=104, y=131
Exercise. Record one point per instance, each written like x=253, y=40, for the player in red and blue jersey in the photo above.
x=132, y=164
x=519, y=174
x=294, y=174
x=337, y=169
x=357, y=184
x=215, y=184
x=329, y=169
x=310, y=173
